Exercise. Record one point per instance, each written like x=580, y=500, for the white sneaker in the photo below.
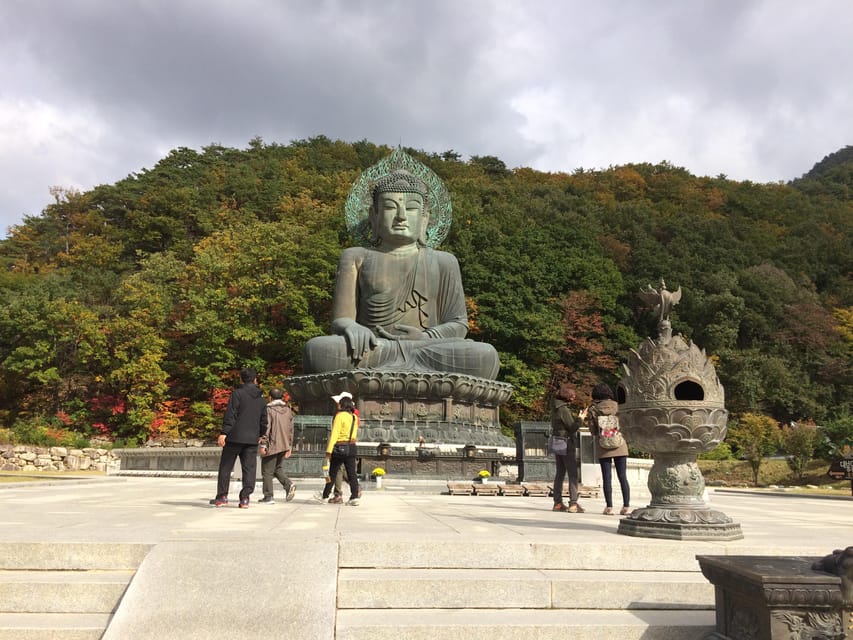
x=353, y=502
x=318, y=496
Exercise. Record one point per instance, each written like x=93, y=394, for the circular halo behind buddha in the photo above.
x=361, y=195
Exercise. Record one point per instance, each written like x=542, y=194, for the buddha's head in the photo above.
x=398, y=213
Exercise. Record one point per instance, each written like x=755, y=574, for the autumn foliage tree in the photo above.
x=799, y=440
x=755, y=437
x=126, y=310
x=586, y=356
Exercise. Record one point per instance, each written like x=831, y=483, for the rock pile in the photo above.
x=29, y=458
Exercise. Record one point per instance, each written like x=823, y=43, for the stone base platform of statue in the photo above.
x=409, y=406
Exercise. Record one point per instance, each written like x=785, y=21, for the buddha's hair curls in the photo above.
x=400, y=181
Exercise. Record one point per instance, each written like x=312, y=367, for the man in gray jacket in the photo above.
x=276, y=446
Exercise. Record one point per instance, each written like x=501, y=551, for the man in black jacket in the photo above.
x=244, y=423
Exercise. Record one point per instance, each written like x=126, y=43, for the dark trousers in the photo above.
x=335, y=463
x=337, y=482
x=248, y=454
x=273, y=467
x=566, y=464
x=621, y=464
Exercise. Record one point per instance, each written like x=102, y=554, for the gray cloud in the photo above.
x=92, y=90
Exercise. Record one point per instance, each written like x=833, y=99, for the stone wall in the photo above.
x=28, y=458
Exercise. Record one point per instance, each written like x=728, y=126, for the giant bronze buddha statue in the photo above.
x=399, y=304
x=399, y=320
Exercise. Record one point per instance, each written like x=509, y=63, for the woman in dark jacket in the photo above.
x=565, y=425
x=604, y=404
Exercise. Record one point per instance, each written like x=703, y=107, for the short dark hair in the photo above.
x=276, y=394
x=602, y=391
x=248, y=375
x=347, y=404
x=565, y=392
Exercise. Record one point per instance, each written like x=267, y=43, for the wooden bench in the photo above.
x=588, y=492
x=460, y=488
x=510, y=489
x=584, y=491
x=536, y=488
x=487, y=489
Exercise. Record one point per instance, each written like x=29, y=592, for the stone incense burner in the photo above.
x=671, y=405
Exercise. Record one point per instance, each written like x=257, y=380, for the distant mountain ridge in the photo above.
x=833, y=175
x=127, y=309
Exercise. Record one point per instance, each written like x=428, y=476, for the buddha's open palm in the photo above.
x=401, y=332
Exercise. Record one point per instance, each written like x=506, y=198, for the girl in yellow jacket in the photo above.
x=341, y=448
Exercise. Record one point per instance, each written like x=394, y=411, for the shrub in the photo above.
x=131, y=442
x=799, y=441
x=201, y=422
x=838, y=437
x=32, y=431
x=42, y=432
x=721, y=452
x=755, y=437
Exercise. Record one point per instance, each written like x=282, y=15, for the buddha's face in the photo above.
x=398, y=218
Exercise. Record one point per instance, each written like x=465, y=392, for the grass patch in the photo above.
x=738, y=473
x=4, y=479
x=7, y=477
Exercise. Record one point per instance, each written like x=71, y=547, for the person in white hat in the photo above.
x=338, y=480
x=341, y=396
x=341, y=448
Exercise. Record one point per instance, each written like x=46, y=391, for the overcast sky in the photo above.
x=94, y=90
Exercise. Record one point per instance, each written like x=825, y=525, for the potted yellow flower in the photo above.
x=377, y=474
x=484, y=476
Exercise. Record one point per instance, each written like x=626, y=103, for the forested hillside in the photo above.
x=127, y=309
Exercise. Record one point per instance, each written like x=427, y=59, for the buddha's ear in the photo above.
x=372, y=220
x=422, y=236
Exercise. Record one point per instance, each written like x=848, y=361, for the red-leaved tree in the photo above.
x=584, y=359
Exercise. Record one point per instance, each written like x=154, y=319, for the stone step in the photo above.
x=89, y=591
x=71, y=556
x=63, y=591
x=521, y=589
x=487, y=554
x=512, y=624
x=56, y=626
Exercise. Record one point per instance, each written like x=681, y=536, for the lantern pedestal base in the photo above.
x=680, y=524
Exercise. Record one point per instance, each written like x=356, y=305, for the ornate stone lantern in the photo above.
x=671, y=405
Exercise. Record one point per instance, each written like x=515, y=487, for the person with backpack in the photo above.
x=564, y=429
x=610, y=446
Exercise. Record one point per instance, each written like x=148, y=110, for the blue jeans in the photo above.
x=621, y=464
